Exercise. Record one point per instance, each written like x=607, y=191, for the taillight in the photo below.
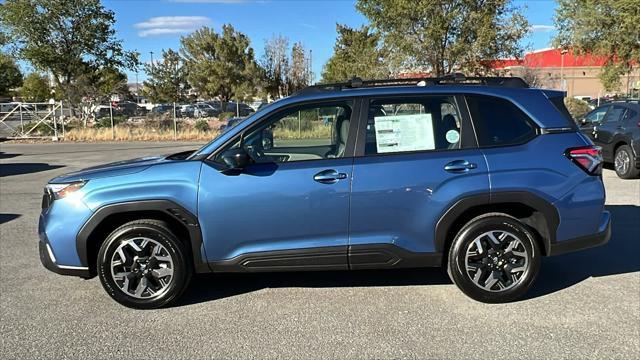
x=588, y=158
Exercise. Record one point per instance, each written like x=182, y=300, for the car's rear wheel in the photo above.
x=624, y=163
x=143, y=265
x=494, y=258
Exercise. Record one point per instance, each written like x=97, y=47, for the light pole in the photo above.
x=137, y=88
x=562, y=84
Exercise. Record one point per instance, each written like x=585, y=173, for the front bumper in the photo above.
x=584, y=242
x=48, y=260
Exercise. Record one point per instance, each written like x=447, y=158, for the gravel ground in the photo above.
x=584, y=305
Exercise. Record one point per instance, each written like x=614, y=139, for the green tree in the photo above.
x=167, y=80
x=357, y=52
x=275, y=64
x=298, y=77
x=220, y=65
x=448, y=35
x=67, y=38
x=10, y=75
x=35, y=88
x=610, y=29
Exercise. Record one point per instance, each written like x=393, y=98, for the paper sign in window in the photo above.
x=400, y=133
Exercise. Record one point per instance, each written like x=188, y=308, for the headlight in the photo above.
x=61, y=190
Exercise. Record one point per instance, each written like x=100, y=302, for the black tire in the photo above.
x=624, y=153
x=155, y=232
x=463, y=244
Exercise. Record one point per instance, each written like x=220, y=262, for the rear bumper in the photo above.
x=49, y=262
x=584, y=242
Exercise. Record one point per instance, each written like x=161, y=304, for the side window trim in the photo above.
x=467, y=136
x=353, y=102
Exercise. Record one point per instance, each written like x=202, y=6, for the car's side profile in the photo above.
x=483, y=176
x=616, y=128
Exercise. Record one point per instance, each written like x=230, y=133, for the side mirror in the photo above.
x=583, y=121
x=236, y=159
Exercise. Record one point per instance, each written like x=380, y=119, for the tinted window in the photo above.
x=615, y=114
x=630, y=114
x=416, y=124
x=596, y=116
x=499, y=122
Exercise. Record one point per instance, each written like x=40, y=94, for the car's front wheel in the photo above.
x=624, y=163
x=143, y=265
x=494, y=258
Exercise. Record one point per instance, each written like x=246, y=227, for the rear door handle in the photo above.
x=329, y=176
x=459, y=166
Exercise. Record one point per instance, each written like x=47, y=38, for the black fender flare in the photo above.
x=549, y=213
x=168, y=207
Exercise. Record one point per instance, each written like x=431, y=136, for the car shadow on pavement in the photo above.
x=207, y=287
x=25, y=168
x=4, y=155
x=619, y=256
x=5, y=218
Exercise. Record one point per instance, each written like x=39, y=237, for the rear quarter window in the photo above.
x=498, y=122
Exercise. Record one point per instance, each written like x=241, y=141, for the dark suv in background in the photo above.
x=616, y=128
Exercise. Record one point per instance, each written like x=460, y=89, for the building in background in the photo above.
x=557, y=69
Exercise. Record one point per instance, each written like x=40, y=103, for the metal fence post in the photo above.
x=175, y=124
x=55, y=125
x=21, y=122
x=62, y=118
x=113, y=129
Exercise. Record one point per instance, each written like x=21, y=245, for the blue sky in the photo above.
x=153, y=25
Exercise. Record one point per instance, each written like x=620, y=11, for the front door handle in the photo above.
x=329, y=176
x=459, y=166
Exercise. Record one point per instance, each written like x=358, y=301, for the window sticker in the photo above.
x=399, y=133
x=452, y=136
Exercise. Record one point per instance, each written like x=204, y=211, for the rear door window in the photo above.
x=400, y=125
x=615, y=114
x=498, y=122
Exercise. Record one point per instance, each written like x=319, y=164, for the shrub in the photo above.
x=577, y=108
x=225, y=115
x=202, y=125
x=105, y=122
x=42, y=129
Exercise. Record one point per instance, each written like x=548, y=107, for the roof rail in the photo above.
x=453, y=79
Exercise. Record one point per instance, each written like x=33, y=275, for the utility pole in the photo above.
x=137, y=88
x=562, y=84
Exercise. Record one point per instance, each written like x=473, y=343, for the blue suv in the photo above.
x=482, y=176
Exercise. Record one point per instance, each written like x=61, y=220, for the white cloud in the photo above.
x=542, y=28
x=309, y=26
x=168, y=25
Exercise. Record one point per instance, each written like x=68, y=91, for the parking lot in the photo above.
x=584, y=305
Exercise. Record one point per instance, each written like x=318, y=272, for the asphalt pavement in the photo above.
x=583, y=305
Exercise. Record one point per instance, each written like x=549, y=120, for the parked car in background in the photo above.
x=187, y=110
x=162, y=109
x=203, y=109
x=257, y=104
x=240, y=109
x=130, y=108
x=481, y=176
x=615, y=127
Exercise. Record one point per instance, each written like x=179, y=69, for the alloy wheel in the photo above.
x=622, y=162
x=496, y=260
x=142, y=268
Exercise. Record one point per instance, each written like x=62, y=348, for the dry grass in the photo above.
x=317, y=131
x=136, y=134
